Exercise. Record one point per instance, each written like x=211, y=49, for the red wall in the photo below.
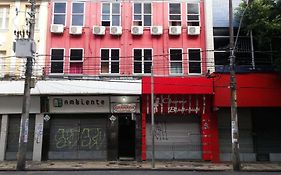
x=253, y=90
x=126, y=42
x=178, y=85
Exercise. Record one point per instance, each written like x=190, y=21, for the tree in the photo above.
x=263, y=18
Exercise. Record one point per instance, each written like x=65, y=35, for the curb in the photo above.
x=140, y=169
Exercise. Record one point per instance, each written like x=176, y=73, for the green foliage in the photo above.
x=263, y=17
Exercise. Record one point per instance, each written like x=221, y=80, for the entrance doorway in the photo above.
x=126, y=137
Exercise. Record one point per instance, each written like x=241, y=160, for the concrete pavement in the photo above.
x=133, y=165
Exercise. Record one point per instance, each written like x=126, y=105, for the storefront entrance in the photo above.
x=126, y=137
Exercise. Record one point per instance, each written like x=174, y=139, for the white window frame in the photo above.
x=111, y=14
x=170, y=66
x=188, y=21
x=110, y=61
x=75, y=61
x=142, y=60
x=78, y=13
x=63, y=60
x=178, y=21
x=37, y=13
x=188, y=61
x=142, y=14
x=6, y=17
x=65, y=14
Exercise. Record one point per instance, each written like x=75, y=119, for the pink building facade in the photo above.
x=160, y=45
x=127, y=40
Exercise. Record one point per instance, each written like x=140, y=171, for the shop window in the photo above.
x=176, y=61
x=193, y=17
x=57, y=58
x=77, y=14
x=59, y=13
x=4, y=17
x=111, y=14
x=142, y=61
x=76, y=61
x=194, y=61
x=174, y=14
x=27, y=16
x=142, y=14
x=109, y=61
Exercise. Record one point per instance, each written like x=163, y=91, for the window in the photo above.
x=193, y=17
x=194, y=60
x=27, y=16
x=110, y=14
x=176, y=61
x=59, y=13
x=109, y=60
x=142, y=61
x=4, y=17
x=174, y=14
x=142, y=14
x=77, y=14
x=57, y=56
x=242, y=52
x=76, y=61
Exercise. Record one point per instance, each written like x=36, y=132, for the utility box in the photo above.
x=24, y=48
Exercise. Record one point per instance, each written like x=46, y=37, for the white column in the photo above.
x=208, y=8
x=38, y=137
x=3, y=137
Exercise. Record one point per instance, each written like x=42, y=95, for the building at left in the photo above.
x=14, y=18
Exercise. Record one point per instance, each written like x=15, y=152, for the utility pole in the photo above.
x=152, y=120
x=23, y=137
x=234, y=118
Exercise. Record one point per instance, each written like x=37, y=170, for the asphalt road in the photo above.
x=134, y=173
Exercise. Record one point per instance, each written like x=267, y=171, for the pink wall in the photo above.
x=126, y=42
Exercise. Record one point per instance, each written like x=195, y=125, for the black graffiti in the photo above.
x=160, y=131
x=85, y=138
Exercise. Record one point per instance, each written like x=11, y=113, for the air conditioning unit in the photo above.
x=156, y=30
x=57, y=28
x=75, y=30
x=98, y=30
x=115, y=30
x=193, y=30
x=137, y=30
x=175, y=30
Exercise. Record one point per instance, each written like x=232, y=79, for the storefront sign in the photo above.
x=125, y=108
x=78, y=104
x=175, y=104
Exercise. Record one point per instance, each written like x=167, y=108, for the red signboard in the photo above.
x=119, y=108
x=177, y=104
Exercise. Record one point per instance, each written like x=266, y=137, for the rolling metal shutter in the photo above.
x=267, y=134
x=13, y=137
x=78, y=137
x=176, y=137
x=245, y=135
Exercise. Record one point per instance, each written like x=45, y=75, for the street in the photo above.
x=135, y=173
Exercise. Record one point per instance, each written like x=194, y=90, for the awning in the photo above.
x=68, y=87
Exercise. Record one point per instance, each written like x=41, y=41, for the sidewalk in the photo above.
x=132, y=165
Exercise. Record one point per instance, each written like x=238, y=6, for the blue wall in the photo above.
x=220, y=12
